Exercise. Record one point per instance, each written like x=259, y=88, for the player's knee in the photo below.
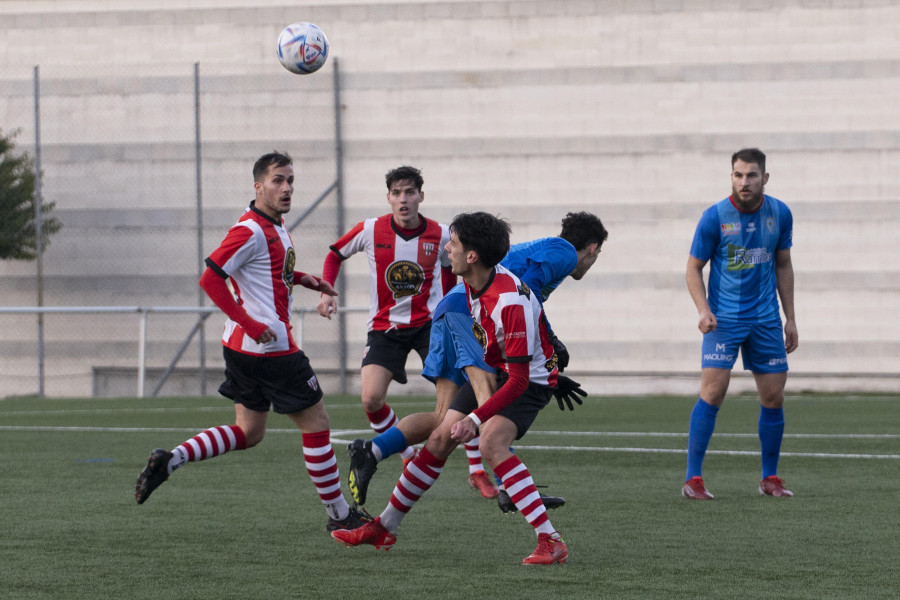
x=372, y=402
x=254, y=436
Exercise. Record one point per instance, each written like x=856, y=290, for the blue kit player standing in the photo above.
x=746, y=238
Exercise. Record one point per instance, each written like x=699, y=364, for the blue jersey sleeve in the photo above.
x=706, y=236
x=786, y=239
x=542, y=264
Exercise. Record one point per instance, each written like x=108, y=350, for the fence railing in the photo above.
x=143, y=313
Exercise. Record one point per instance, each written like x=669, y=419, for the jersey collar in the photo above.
x=478, y=293
x=279, y=222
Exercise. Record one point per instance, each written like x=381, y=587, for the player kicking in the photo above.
x=747, y=240
x=509, y=322
x=408, y=274
x=263, y=366
x=456, y=355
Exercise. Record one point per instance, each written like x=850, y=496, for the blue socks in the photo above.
x=390, y=442
x=771, y=430
x=703, y=422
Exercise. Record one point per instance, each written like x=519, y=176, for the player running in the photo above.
x=510, y=324
x=263, y=366
x=408, y=273
x=457, y=356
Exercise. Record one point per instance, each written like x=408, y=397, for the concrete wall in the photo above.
x=530, y=109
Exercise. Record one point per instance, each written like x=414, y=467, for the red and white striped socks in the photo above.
x=382, y=419
x=521, y=489
x=322, y=467
x=473, y=453
x=207, y=444
x=417, y=478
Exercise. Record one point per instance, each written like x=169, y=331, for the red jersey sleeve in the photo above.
x=331, y=267
x=214, y=285
x=506, y=395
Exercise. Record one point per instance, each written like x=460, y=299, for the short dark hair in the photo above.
x=484, y=233
x=261, y=167
x=404, y=173
x=583, y=228
x=750, y=155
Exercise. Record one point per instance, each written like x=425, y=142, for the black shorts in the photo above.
x=522, y=412
x=389, y=349
x=286, y=383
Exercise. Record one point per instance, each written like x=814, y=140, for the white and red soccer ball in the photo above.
x=302, y=48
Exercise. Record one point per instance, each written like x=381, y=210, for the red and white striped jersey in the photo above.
x=259, y=257
x=510, y=326
x=404, y=269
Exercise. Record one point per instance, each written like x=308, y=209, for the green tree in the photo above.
x=18, y=225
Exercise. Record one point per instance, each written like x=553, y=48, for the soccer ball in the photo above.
x=302, y=48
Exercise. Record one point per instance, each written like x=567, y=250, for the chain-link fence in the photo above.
x=147, y=171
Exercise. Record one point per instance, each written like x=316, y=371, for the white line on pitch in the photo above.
x=368, y=432
x=337, y=440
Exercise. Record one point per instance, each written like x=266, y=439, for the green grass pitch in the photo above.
x=248, y=525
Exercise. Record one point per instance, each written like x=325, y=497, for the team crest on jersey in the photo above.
x=524, y=290
x=731, y=228
x=428, y=248
x=480, y=335
x=404, y=278
x=551, y=364
x=290, y=259
x=770, y=224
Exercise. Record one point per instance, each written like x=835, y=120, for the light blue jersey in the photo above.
x=541, y=264
x=740, y=248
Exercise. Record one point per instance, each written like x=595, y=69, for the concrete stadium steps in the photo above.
x=524, y=108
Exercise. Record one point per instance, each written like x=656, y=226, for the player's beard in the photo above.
x=752, y=203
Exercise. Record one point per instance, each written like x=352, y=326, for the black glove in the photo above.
x=568, y=390
x=562, y=354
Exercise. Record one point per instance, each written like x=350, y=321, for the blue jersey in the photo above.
x=541, y=264
x=740, y=248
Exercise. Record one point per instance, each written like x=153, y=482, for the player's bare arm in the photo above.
x=784, y=276
x=697, y=289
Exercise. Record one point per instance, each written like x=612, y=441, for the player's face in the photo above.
x=405, y=199
x=747, y=182
x=273, y=194
x=459, y=258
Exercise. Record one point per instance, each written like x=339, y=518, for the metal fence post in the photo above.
x=339, y=181
x=39, y=227
x=201, y=296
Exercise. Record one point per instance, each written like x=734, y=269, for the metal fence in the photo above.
x=147, y=171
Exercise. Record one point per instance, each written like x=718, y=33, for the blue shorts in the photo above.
x=451, y=348
x=761, y=345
